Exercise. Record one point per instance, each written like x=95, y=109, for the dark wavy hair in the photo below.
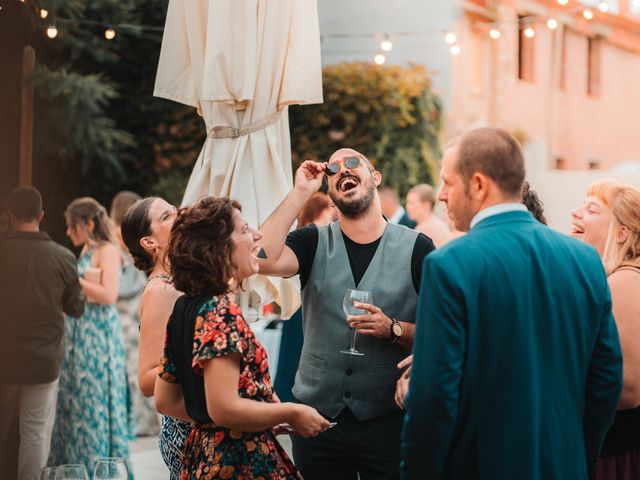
x=135, y=225
x=200, y=247
x=533, y=203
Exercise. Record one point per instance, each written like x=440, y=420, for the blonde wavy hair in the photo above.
x=83, y=209
x=624, y=202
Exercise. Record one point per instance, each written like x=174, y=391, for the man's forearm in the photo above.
x=275, y=229
x=406, y=340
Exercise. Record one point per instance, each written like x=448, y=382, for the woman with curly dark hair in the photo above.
x=145, y=230
x=531, y=200
x=214, y=370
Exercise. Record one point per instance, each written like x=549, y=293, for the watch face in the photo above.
x=397, y=329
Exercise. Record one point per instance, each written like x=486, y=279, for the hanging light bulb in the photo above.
x=43, y=13
x=379, y=59
x=603, y=7
x=386, y=44
x=109, y=34
x=494, y=33
x=455, y=49
x=552, y=24
x=52, y=31
x=529, y=32
x=588, y=14
x=450, y=38
x=563, y=2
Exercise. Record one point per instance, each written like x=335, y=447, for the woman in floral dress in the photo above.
x=93, y=409
x=214, y=370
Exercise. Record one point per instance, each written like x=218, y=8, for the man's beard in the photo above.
x=355, y=208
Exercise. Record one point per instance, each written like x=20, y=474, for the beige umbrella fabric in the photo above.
x=240, y=63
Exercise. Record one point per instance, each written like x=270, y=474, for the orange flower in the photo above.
x=213, y=471
x=251, y=446
x=235, y=434
x=227, y=471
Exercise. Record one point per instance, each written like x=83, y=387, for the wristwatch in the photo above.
x=395, y=332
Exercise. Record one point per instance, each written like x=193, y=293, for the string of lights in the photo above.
x=528, y=24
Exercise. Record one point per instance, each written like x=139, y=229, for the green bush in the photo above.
x=389, y=113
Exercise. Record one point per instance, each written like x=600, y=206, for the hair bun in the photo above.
x=142, y=261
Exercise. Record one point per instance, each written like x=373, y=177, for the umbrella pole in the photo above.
x=26, y=116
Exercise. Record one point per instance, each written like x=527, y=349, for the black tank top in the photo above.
x=180, y=328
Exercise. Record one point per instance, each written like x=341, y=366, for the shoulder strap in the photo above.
x=628, y=267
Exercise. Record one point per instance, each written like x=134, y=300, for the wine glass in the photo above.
x=362, y=296
x=71, y=472
x=48, y=473
x=111, y=468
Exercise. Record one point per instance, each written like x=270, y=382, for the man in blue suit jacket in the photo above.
x=517, y=368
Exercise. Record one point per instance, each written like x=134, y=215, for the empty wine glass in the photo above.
x=362, y=296
x=48, y=473
x=112, y=468
x=71, y=472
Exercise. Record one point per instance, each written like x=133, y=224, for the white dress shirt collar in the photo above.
x=496, y=210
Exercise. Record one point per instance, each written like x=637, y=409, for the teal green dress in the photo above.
x=93, y=414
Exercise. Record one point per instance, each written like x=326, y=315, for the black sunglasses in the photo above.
x=349, y=162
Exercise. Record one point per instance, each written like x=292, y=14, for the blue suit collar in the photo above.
x=506, y=217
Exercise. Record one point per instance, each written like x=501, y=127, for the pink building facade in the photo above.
x=568, y=87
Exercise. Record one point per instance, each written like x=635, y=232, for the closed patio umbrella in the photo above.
x=240, y=63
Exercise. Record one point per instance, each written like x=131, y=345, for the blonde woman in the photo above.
x=92, y=414
x=609, y=220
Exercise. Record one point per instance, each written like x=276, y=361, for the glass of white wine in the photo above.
x=113, y=468
x=48, y=473
x=352, y=295
x=71, y=472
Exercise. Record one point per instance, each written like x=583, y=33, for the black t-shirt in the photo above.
x=304, y=243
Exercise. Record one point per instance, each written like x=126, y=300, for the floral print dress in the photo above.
x=217, y=452
x=93, y=412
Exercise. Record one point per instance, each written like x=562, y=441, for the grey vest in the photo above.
x=327, y=379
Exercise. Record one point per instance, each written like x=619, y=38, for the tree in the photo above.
x=389, y=113
x=97, y=127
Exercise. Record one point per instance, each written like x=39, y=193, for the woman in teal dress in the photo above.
x=93, y=408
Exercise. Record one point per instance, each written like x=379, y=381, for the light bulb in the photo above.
x=379, y=59
x=52, y=31
x=386, y=45
x=450, y=38
x=109, y=34
x=588, y=14
x=43, y=13
x=552, y=24
x=455, y=49
x=529, y=32
x=603, y=7
x=494, y=33
x=563, y=2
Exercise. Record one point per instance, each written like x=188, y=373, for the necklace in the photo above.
x=164, y=276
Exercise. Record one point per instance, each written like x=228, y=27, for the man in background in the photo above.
x=39, y=283
x=421, y=201
x=391, y=208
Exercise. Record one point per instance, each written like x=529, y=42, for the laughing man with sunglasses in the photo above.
x=361, y=250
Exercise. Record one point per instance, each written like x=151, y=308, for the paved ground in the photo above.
x=148, y=465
